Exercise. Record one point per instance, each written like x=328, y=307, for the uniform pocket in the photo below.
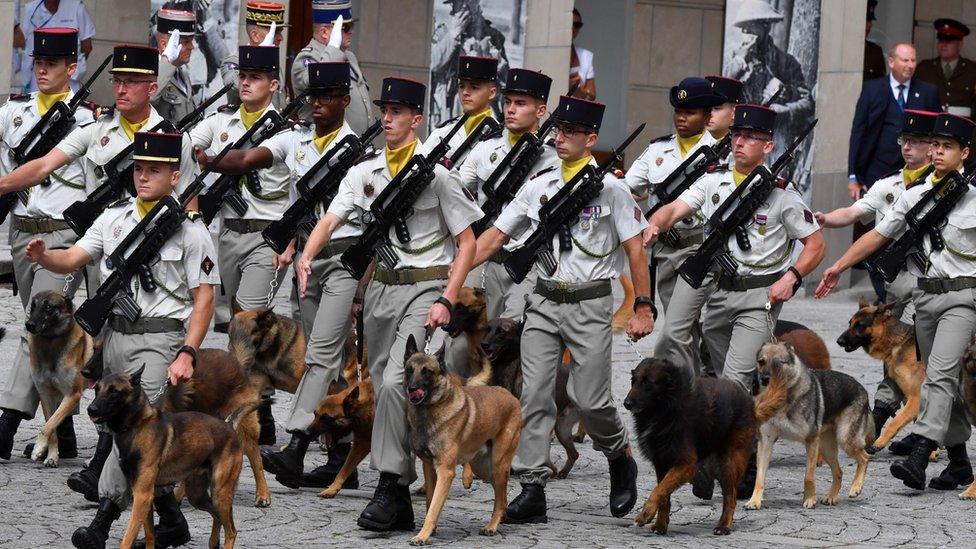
x=960, y=233
x=594, y=231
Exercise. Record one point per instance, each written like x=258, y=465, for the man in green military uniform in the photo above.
x=954, y=75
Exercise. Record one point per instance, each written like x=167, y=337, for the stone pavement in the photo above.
x=38, y=510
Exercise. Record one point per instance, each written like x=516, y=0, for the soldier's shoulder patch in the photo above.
x=229, y=107
x=717, y=167
x=662, y=138
x=207, y=264
x=447, y=122
x=117, y=203
x=618, y=173
x=20, y=97
x=108, y=111
x=494, y=133
x=542, y=172
x=808, y=216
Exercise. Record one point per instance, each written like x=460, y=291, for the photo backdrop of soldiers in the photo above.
x=486, y=28
x=772, y=46
x=217, y=37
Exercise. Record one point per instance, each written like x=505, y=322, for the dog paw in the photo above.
x=853, y=493
x=38, y=454
x=262, y=502
x=659, y=529
x=488, y=531
x=329, y=492
x=968, y=494
x=418, y=540
x=560, y=475
x=810, y=503
x=641, y=519
x=827, y=500
x=873, y=449
x=721, y=531
x=754, y=504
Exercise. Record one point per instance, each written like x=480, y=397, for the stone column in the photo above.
x=6, y=48
x=115, y=22
x=548, y=35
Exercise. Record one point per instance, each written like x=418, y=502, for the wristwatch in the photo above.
x=190, y=351
x=799, y=279
x=646, y=300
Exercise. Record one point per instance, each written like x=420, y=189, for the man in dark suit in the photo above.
x=874, y=148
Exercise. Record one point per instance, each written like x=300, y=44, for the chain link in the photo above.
x=274, y=286
x=67, y=283
x=769, y=322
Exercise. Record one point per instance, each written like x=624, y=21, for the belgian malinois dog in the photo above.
x=158, y=448
x=968, y=388
x=270, y=347
x=470, y=317
x=823, y=409
x=452, y=424
x=891, y=341
x=59, y=350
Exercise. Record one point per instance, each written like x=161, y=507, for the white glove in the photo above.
x=335, y=39
x=269, y=38
x=173, y=47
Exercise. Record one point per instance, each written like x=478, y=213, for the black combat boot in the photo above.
x=911, y=470
x=904, y=446
x=959, y=472
x=95, y=534
x=703, y=485
x=287, y=464
x=85, y=482
x=172, y=530
x=623, y=484
x=744, y=489
x=9, y=422
x=324, y=475
x=882, y=413
x=267, y=422
x=386, y=510
x=67, y=443
x=529, y=507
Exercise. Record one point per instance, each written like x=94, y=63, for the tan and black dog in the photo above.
x=891, y=341
x=967, y=386
x=681, y=422
x=452, y=424
x=59, y=350
x=823, y=409
x=270, y=347
x=470, y=317
x=160, y=448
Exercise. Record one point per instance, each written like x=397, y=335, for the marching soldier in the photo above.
x=954, y=75
x=692, y=100
x=720, y=120
x=477, y=89
x=174, y=320
x=330, y=291
x=55, y=56
x=258, y=19
x=873, y=206
x=737, y=321
x=94, y=144
x=359, y=115
x=401, y=302
x=526, y=93
x=945, y=312
x=572, y=309
x=173, y=97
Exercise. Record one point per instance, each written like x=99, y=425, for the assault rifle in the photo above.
x=226, y=189
x=393, y=206
x=924, y=218
x=485, y=127
x=559, y=212
x=515, y=168
x=118, y=172
x=733, y=214
x=318, y=188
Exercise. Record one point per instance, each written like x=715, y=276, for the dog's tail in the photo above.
x=485, y=376
x=235, y=417
x=771, y=401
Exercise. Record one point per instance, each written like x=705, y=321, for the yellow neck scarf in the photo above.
x=249, y=118
x=513, y=138
x=685, y=144
x=130, y=128
x=396, y=159
x=144, y=206
x=910, y=177
x=738, y=177
x=471, y=123
x=570, y=169
x=45, y=101
x=322, y=143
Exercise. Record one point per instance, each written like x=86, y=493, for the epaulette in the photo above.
x=20, y=97
x=782, y=182
x=496, y=132
x=662, y=138
x=889, y=174
x=543, y=171
x=302, y=124
x=194, y=215
x=717, y=167
x=118, y=202
x=618, y=173
x=229, y=107
x=368, y=155
x=106, y=111
x=446, y=122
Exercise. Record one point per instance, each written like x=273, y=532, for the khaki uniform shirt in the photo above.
x=67, y=184
x=438, y=133
x=186, y=261
x=359, y=114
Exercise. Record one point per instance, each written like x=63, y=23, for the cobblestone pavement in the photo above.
x=40, y=511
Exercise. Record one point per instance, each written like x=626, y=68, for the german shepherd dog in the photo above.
x=809, y=347
x=158, y=448
x=680, y=422
x=891, y=341
x=451, y=424
x=968, y=388
x=502, y=345
x=822, y=409
x=270, y=347
x=59, y=350
x=470, y=317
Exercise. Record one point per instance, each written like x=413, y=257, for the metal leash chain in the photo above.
x=770, y=324
x=633, y=347
x=428, y=334
x=67, y=283
x=154, y=400
x=274, y=286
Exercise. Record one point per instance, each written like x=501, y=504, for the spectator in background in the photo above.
x=952, y=74
x=874, y=57
x=39, y=14
x=874, y=149
x=582, y=76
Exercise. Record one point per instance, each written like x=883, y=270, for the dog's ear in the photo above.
x=441, y=363
x=411, y=348
x=353, y=395
x=862, y=303
x=135, y=379
x=265, y=316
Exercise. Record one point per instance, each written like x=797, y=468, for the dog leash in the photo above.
x=633, y=347
x=770, y=324
x=359, y=344
x=274, y=286
x=154, y=400
x=428, y=334
x=67, y=282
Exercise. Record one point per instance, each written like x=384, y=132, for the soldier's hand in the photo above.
x=820, y=217
x=202, y=159
x=35, y=250
x=280, y=261
x=438, y=316
x=782, y=289
x=829, y=281
x=855, y=188
x=181, y=369
x=641, y=324
x=303, y=270
x=651, y=234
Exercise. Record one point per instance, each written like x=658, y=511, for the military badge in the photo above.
x=367, y=217
x=104, y=141
x=808, y=216
x=223, y=137
x=659, y=161
x=99, y=172
x=207, y=264
x=18, y=121
x=889, y=198
x=762, y=229
x=493, y=157
x=300, y=155
x=637, y=214
x=117, y=231
x=543, y=199
x=715, y=198
x=368, y=190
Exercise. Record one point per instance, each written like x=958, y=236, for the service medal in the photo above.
x=104, y=140
x=889, y=198
x=715, y=198
x=493, y=157
x=368, y=190
x=223, y=137
x=543, y=199
x=18, y=121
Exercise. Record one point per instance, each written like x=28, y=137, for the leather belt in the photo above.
x=500, y=257
x=944, y=285
x=245, y=226
x=336, y=247
x=38, y=225
x=745, y=283
x=410, y=276
x=566, y=292
x=148, y=325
